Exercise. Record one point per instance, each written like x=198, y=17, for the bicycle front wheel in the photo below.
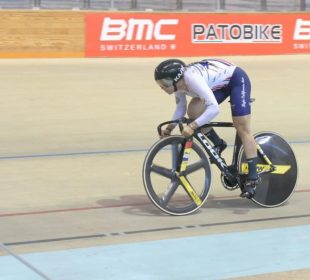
x=162, y=181
x=275, y=187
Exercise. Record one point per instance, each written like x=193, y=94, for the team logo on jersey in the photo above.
x=236, y=33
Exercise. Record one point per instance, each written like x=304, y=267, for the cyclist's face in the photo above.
x=166, y=85
x=168, y=90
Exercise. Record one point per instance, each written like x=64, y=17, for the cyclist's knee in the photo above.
x=243, y=131
x=243, y=124
x=195, y=108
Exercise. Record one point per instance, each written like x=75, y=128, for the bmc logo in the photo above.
x=135, y=29
x=302, y=30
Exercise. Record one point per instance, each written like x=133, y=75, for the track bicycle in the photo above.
x=177, y=171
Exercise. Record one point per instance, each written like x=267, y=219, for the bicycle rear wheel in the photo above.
x=162, y=181
x=275, y=187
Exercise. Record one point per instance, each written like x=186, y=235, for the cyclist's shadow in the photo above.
x=132, y=204
x=140, y=205
x=236, y=204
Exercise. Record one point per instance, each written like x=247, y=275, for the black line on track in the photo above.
x=152, y=230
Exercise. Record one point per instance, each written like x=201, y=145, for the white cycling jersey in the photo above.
x=202, y=79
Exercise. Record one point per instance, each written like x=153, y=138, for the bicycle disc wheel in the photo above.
x=275, y=188
x=162, y=183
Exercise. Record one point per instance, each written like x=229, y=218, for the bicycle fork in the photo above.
x=183, y=165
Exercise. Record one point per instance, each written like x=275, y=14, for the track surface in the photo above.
x=74, y=134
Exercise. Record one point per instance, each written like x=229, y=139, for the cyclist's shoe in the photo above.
x=221, y=147
x=249, y=188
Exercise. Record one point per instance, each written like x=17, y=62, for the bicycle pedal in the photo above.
x=249, y=188
x=247, y=194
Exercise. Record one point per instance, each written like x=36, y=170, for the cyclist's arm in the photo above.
x=197, y=84
x=180, y=110
x=181, y=105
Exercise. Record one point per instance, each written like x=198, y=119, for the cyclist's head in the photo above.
x=169, y=72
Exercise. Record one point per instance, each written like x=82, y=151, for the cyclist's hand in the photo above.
x=165, y=132
x=187, y=131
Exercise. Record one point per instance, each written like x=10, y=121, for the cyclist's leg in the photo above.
x=242, y=124
x=243, y=127
x=240, y=94
x=219, y=143
x=195, y=108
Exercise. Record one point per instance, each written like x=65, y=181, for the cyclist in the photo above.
x=209, y=82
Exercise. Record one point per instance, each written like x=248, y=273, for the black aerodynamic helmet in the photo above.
x=169, y=72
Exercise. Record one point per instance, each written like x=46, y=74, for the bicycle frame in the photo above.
x=214, y=157
x=219, y=161
x=202, y=139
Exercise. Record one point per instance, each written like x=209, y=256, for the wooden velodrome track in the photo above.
x=74, y=134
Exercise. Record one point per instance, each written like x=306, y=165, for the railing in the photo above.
x=163, y=5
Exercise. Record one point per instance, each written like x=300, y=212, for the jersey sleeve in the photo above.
x=198, y=85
